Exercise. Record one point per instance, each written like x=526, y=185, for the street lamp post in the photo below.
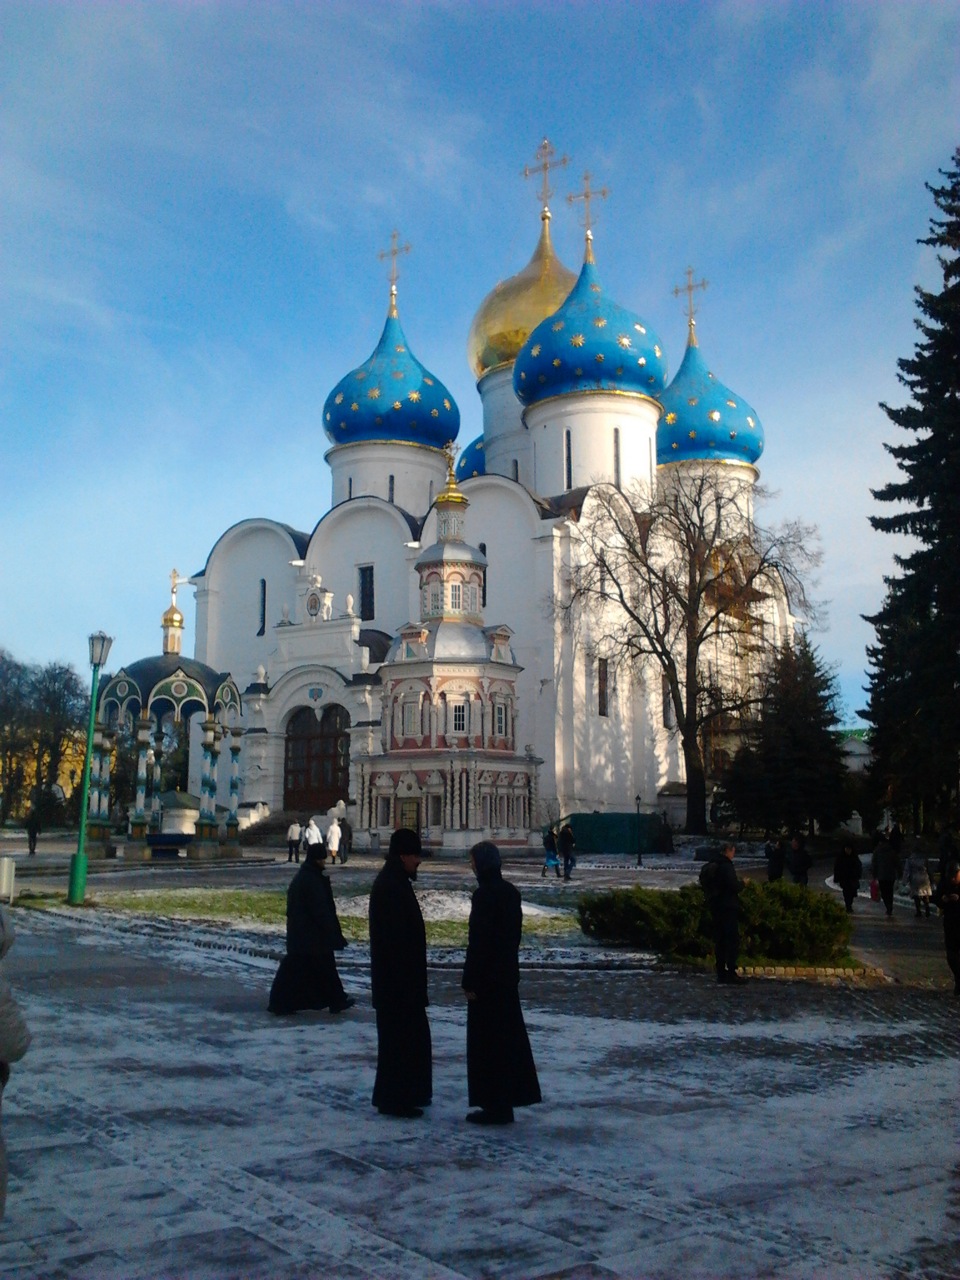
x=100, y=644
x=637, y=802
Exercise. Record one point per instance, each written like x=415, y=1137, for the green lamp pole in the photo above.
x=100, y=644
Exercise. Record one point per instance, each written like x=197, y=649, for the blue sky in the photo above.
x=193, y=197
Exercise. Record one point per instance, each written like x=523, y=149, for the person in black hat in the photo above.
x=501, y=1073
x=398, y=981
x=307, y=977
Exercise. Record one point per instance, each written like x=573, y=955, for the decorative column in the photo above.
x=107, y=738
x=93, y=809
x=138, y=826
x=207, y=825
x=487, y=723
x=434, y=717
x=233, y=822
x=449, y=796
x=476, y=720
x=155, y=787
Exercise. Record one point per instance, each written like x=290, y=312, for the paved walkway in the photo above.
x=164, y=1125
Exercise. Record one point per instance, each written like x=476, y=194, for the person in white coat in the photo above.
x=333, y=839
x=14, y=1036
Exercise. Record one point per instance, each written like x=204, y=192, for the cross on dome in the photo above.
x=393, y=253
x=545, y=162
x=586, y=195
x=689, y=289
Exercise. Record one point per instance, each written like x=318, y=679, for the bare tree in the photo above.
x=688, y=582
x=15, y=735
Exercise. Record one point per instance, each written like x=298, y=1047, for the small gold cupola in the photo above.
x=172, y=621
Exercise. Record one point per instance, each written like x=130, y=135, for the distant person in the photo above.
x=895, y=836
x=346, y=840
x=885, y=869
x=551, y=858
x=799, y=861
x=293, y=841
x=398, y=983
x=917, y=879
x=948, y=900
x=847, y=873
x=775, y=852
x=33, y=830
x=334, y=837
x=565, y=847
x=501, y=1073
x=722, y=889
x=311, y=835
x=14, y=1036
x=308, y=977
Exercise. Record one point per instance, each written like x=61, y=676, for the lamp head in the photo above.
x=100, y=644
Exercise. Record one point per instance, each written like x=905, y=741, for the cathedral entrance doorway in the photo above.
x=316, y=770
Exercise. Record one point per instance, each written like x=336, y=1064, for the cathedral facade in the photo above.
x=406, y=656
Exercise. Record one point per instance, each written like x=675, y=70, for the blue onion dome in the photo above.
x=703, y=419
x=391, y=396
x=589, y=344
x=472, y=461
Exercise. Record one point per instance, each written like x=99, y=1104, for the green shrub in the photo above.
x=778, y=922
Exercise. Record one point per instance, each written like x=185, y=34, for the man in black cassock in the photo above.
x=398, y=981
x=307, y=977
x=501, y=1073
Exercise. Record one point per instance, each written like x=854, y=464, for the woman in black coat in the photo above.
x=501, y=1073
x=307, y=977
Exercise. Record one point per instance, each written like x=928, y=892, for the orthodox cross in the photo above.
x=175, y=581
x=689, y=288
x=545, y=162
x=586, y=195
x=393, y=253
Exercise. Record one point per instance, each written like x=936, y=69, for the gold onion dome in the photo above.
x=511, y=311
x=172, y=616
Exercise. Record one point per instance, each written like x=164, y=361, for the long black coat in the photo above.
x=398, y=983
x=307, y=977
x=500, y=1069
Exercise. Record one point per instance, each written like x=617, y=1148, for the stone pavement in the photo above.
x=164, y=1125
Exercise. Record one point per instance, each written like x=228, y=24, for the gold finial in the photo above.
x=545, y=162
x=175, y=581
x=586, y=195
x=689, y=288
x=393, y=253
x=451, y=493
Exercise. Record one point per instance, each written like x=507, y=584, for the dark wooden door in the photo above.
x=316, y=771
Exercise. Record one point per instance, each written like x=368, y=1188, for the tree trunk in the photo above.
x=696, y=790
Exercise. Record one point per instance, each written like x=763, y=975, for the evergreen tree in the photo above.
x=791, y=773
x=914, y=683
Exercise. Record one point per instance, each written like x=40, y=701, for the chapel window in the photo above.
x=567, y=460
x=460, y=717
x=411, y=719
x=263, y=607
x=456, y=592
x=602, y=676
x=365, y=574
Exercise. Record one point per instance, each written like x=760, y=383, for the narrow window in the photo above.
x=483, y=585
x=411, y=719
x=602, y=686
x=616, y=456
x=460, y=717
x=603, y=578
x=390, y=489
x=435, y=599
x=456, y=593
x=430, y=495
x=516, y=469
x=567, y=461
x=366, y=592
x=501, y=719
x=263, y=607
x=349, y=487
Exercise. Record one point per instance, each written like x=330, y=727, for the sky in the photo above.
x=193, y=198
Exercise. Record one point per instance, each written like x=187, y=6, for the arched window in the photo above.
x=263, y=607
x=567, y=460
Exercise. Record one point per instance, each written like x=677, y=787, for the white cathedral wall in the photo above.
x=506, y=441
x=591, y=428
x=231, y=602
x=366, y=468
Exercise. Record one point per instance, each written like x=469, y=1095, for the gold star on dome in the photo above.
x=577, y=340
x=373, y=393
x=674, y=445
x=600, y=321
x=446, y=404
x=714, y=415
x=361, y=374
x=692, y=400
x=639, y=328
x=623, y=341
x=595, y=288
x=692, y=435
x=414, y=396
x=338, y=398
x=396, y=404
x=428, y=381
x=578, y=372
x=599, y=357
x=671, y=419
x=733, y=435
x=619, y=371
x=535, y=350
x=397, y=373
x=400, y=349
x=556, y=363
x=328, y=417
x=750, y=422
x=656, y=351
x=557, y=326
x=434, y=413
x=642, y=361
x=732, y=404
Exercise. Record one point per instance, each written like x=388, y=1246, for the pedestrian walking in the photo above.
x=551, y=858
x=565, y=847
x=33, y=830
x=308, y=977
x=799, y=861
x=775, y=852
x=293, y=841
x=916, y=877
x=398, y=982
x=847, y=873
x=501, y=1073
x=311, y=835
x=346, y=840
x=334, y=836
x=722, y=887
x=885, y=869
x=948, y=900
x=14, y=1036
